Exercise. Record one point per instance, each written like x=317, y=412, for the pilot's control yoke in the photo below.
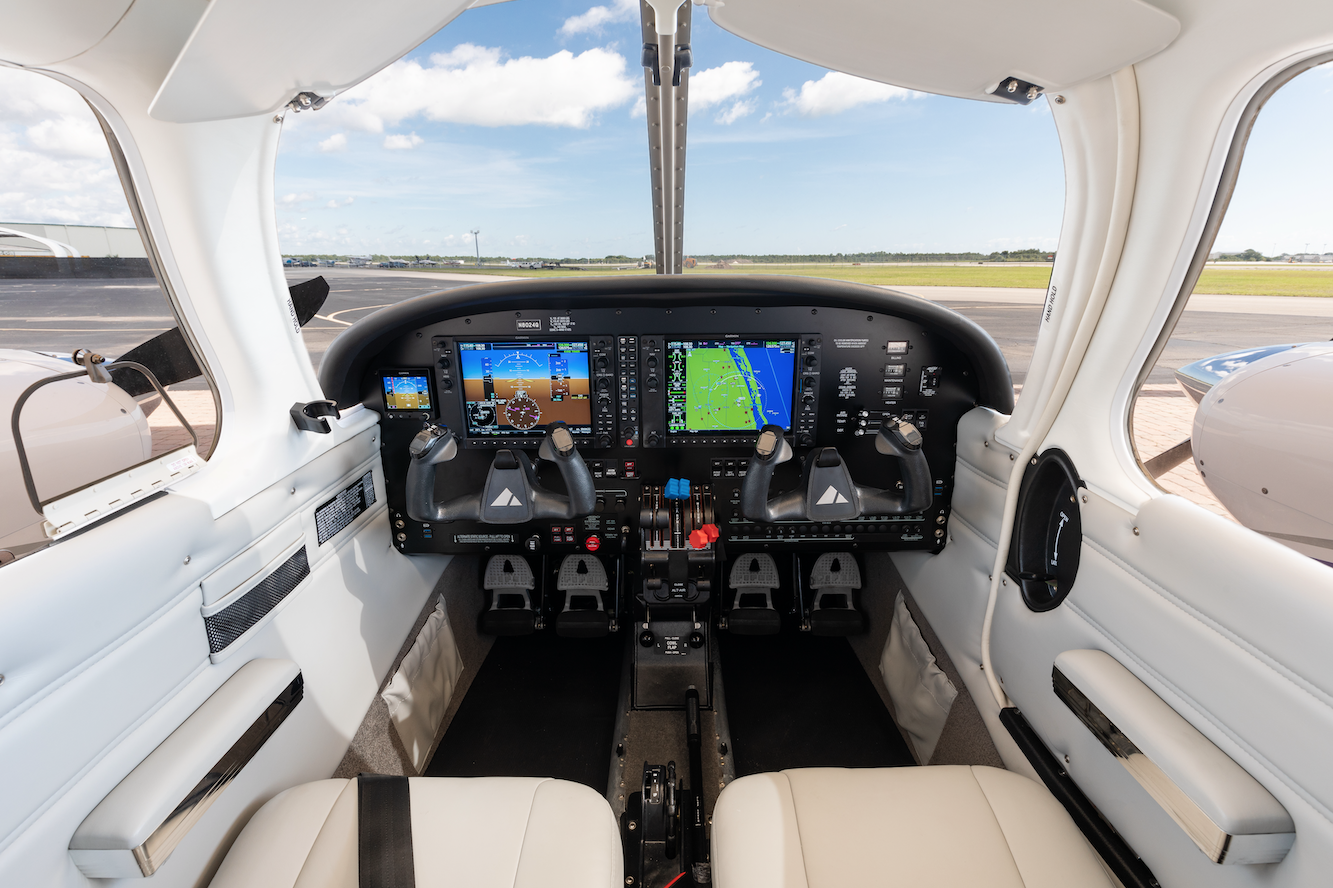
x=512, y=494
x=828, y=492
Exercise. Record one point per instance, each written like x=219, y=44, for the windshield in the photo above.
x=517, y=139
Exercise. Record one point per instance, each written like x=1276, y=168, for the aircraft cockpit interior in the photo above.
x=660, y=579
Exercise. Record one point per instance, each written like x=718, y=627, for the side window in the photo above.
x=1237, y=413
x=75, y=275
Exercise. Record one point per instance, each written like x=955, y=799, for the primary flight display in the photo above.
x=729, y=385
x=512, y=388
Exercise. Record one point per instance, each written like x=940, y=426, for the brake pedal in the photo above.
x=510, y=581
x=835, y=578
x=582, y=578
x=754, y=577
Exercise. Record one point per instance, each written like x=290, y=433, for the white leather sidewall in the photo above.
x=103, y=672
x=1191, y=643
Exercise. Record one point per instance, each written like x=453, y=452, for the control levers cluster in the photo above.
x=512, y=493
x=827, y=492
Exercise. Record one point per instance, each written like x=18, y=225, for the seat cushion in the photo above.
x=479, y=832
x=941, y=826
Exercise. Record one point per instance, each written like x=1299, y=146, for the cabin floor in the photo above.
x=544, y=705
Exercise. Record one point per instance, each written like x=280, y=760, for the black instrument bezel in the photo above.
x=405, y=372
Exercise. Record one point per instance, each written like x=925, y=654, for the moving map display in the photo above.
x=514, y=388
x=728, y=385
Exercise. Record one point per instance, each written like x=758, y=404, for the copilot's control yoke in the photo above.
x=827, y=491
x=512, y=494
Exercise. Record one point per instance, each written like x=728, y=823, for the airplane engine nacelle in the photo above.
x=1263, y=441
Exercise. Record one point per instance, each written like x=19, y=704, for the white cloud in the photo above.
x=474, y=85
x=725, y=82
x=54, y=162
x=335, y=204
x=335, y=142
x=640, y=108
x=399, y=141
x=836, y=92
x=736, y=111
x=599, y=16
x=294, y=198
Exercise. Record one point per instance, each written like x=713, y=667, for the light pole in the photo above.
x=477, y=242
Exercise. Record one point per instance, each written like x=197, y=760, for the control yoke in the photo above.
x=512, y=494
x=828, y=492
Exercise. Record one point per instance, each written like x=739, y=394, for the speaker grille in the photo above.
x=233, y=621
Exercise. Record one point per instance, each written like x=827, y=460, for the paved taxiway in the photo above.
x=112, y=316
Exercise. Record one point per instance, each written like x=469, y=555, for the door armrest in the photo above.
x=140, y=822
x=1229, y=815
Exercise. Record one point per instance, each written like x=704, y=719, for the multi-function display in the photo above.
x=517, y=388
x=729, y=385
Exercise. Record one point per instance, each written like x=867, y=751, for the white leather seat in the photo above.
x=942, y=826
x=479, y=832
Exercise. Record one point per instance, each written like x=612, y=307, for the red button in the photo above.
x=711, y=531
x=592, y=543
x=698, y=539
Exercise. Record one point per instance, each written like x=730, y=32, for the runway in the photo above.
x=113, y=316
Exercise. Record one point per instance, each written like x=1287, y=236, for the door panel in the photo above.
x=1228, y=628
x=104, y=653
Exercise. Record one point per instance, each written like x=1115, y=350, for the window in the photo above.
x=75, y=274
x=1258, y=322
x=516, y=137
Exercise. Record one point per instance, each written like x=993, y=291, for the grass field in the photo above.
x=1277, y=280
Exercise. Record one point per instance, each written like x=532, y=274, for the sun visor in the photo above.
x=963, y=48
x=54, y=30
x=250, y=57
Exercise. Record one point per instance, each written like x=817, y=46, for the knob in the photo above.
x=807, y=383
x=696, y=639
x=604, y=441
x=811, y=360
x=652, y=361
x=604, y=385
x=447, y=384
x=652, y=382
x=653, y=438
x=646, y=638
x=805, y=439
x=445, y=363
x=602, y=363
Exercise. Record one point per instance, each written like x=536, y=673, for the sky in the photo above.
x=525, y=120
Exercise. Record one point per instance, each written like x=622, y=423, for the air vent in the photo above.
x=1048, y=531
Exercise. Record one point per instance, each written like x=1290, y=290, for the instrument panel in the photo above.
x=673, y=381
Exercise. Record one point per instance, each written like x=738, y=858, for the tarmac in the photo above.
x=113, y=316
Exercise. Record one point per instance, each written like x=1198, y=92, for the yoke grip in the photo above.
x=511, y=494
x=827, y=492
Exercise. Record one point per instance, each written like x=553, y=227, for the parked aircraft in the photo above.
x=629, y=581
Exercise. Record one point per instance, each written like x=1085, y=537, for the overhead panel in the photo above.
x=963, y=48
x=249, y=57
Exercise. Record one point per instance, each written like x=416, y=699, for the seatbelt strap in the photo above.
x=384, y=832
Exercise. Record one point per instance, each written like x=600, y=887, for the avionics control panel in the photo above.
x=675, y=388
x=695, y=392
